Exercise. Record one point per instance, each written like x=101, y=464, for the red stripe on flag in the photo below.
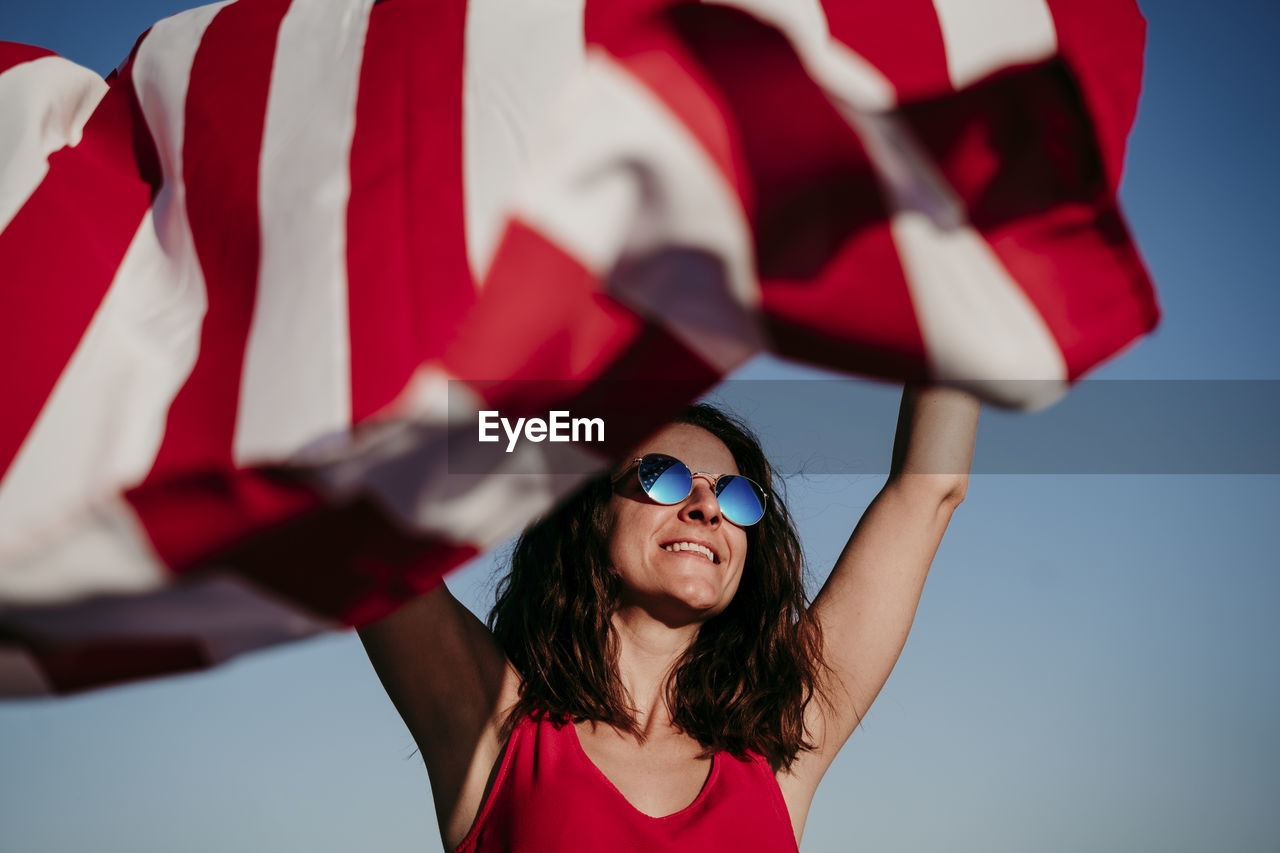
x=1080, y=268
x=544, y=335
x=1102, y=43
x=651, y=381
x=224, y=118
x=857, y=314
x=193, y=501
x=806, y=168
x=1019, y=151
x=94, y=663
x=903, y=39
x=347, y=561
x=541, y=316
x=60, y=253
x=296, y=561
x=12, y=53
x=409, y=283
x=193, y=514
x=833, y=289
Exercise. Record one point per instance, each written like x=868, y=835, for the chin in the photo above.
x=701, y=600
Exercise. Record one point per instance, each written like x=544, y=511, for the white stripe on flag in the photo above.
x=226, y=615
x=103, y=423
x=424, y=466
x=296, y=383
x=45, y=104
x=982, y=36
x=518, y=58
x=978, y=325
x=103, y=551
x=618, y=178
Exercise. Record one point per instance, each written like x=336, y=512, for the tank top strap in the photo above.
x=518, y=733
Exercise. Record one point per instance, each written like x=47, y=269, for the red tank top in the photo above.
x=548, y=797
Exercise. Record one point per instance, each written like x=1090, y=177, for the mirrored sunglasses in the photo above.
x=667, y=480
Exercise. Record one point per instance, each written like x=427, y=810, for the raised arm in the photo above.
x=451, y=684
x=868, y=603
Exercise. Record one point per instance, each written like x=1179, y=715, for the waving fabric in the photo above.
x=254, y=282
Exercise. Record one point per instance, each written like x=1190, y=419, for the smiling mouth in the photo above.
x=693, y=547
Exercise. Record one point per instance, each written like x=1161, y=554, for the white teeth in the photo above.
x=691, y=546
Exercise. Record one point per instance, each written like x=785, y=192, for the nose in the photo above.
x=701, y=505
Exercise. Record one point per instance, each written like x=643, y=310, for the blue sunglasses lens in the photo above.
x=667, y=480
x=739, y=500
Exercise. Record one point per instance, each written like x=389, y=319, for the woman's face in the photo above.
x=652, y=547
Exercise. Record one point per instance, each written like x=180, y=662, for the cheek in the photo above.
x=625, y=533
x=741, y=550
x=741, y=544
x=622, y=518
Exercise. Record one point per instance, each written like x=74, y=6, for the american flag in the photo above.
x=254, y=281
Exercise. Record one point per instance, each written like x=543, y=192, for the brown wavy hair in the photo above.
x=741, y=686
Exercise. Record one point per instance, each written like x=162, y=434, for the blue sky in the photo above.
x=1095, y=664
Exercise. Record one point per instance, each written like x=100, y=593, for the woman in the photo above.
x=654, y=680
